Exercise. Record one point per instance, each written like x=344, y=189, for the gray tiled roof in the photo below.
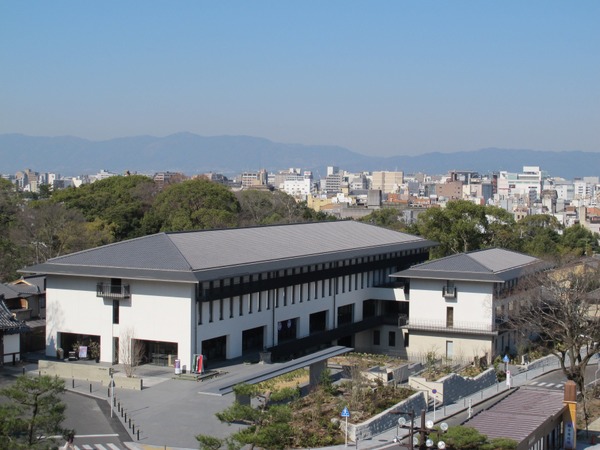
x=8, y=292
x=519, y=414
x=192, y=256
x=8, y=323
x=493, y=265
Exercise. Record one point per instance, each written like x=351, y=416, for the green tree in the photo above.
x=578, y=241
x=11, y=254
x=385, y=217
x=268, y=425
x=32, y=413
x=464, y=438
x=120, y=201
x=258, y=207
x=539, y=235
x=192, y=205
x=463, y=226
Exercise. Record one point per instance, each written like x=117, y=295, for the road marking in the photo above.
x=113, y=447
x=100, y=447
x=559, y=386
x=534, y=383
x=550, y=385
x=542, y=384
x=88, y=447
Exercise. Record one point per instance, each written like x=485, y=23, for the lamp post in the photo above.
x=425, y=430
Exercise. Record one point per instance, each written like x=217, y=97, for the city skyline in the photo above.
x=381, y=79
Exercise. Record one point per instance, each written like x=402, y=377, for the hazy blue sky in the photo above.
x=378, y=77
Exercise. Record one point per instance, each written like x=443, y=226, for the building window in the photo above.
x=231, y=307
x=210, y=311
x=221, y=307
x=392, y=339
x=376, y=337
x=449, y=317
x=115, y=311
x=406, y=340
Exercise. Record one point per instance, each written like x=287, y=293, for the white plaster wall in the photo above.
x=472, y=305
x=12, y=344
x=464, y=347
x=155, y=311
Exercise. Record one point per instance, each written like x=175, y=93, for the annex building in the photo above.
x=290, y=289
x=460, y=304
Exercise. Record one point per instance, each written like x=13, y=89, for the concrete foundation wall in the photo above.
x=87, y=372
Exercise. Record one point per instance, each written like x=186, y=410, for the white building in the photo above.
x=233, y=292
x=459, y=304
x=526, y=184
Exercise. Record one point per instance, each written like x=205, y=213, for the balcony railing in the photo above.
x=114, y=291
x=455, y=327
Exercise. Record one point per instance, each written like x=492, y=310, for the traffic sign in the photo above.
x=345, y=412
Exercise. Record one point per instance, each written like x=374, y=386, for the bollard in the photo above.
x=125, y=416
x=138, y=434
x=133, y=428
x=122, y=410
x=23, y=370
x=108, y=394
x=73, y=382
x=130, y=422
x=90, y=388
x=114, y=401
x=119, y=407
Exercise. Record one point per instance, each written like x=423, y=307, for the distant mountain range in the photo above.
x=191, y=154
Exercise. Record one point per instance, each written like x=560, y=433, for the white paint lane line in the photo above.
x=88, y=447
x=113, y=447
x=550, y=385
x=542, y=384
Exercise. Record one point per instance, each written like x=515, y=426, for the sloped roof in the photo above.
x=491, y=265
x=8, y=292
x=8, y=323
x=195, y=256
x=518, y=415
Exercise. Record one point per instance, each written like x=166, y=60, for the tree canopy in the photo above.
x=196, y=204
x=32, y=413
x=120, y=202
x=463, y=226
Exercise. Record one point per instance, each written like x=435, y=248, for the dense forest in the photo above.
x=36, y=227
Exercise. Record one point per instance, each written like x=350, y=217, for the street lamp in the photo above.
x=429, y=442
x=425, y=430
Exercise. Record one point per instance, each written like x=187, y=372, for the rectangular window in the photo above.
x=449, y=317
x=115, y=311
x=323, y=288
x=231, y=307
x=241, y=305
x=210, y=311
x=449, y=349
x=221, y=307
x=199, y=312
x=317, y=289
x=392, y=339
x=376, y=337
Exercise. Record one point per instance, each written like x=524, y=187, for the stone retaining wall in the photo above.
x=384, y=420
x=87, y=372
x=453, y=387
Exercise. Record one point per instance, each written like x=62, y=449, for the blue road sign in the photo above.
x=505, y=359
x=345, y=412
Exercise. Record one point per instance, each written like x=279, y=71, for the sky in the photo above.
x=378, y=77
